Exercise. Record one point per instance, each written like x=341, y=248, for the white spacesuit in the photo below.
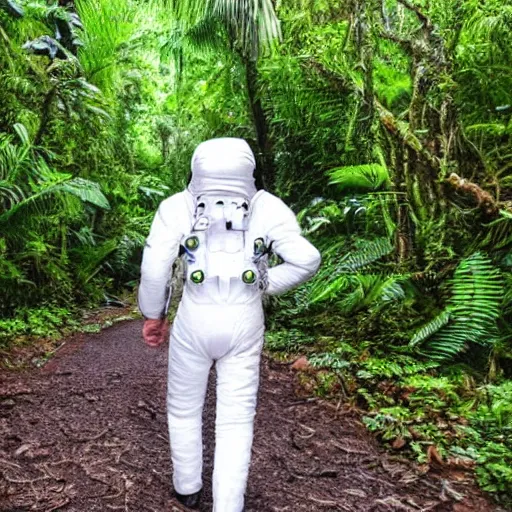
x=225, y=229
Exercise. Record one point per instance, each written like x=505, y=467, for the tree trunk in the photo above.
x=265, y=174
x=364, y=21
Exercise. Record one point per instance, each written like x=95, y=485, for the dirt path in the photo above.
x=88, y=433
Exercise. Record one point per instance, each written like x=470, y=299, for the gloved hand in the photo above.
x=155, y=332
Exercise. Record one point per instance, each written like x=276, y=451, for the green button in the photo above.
x=249, y=277
x=259, y=246
x=192, y=243
x=197, y=277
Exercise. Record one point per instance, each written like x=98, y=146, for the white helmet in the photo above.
x=223, y=166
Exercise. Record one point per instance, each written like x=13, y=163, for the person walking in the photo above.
x=225, y=230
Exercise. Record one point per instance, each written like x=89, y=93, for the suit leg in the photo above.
x=237, y=387
x=187, y=381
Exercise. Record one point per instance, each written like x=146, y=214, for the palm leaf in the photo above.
x=22, y=132
x=253, y=23
x=360, y=177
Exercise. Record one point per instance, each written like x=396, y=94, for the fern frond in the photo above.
x=499, y=235
x=91, y=259
x=325, y=291
x=336, y=278
x=368, y=252
x=471, y=313
x=431, y=328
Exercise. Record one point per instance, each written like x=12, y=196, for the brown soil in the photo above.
x=88, y=433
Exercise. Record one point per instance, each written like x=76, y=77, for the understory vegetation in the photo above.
x=385, y=124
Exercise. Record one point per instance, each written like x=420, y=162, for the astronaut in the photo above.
x=224, y=229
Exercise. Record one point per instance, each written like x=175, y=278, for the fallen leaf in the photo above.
x=355, y=492
x=409, y=477
x=415, y=434
x=459, y=476
x=301, y=364
x=8, y=404
x=38, y=453
x=398, y=443
x=433, y=455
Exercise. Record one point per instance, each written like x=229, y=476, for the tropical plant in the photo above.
x=368, y=177
x=25, y=178
x=476, y=294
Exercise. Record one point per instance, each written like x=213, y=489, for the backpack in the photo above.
x=220, y=248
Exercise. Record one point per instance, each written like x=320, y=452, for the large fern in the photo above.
x=499, y=233
x=471, y=312
x=372, y=291
x=337, y=277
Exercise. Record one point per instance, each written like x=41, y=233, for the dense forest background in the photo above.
x=386, y=124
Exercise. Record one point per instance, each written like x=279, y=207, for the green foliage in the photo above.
x=434, y=326
x=254, y=24
x=289, y=340
x=476, y=290
x=336, y=359
x=393, y=366
x=368, y=177
x=86, y=190
x=41, y=322
x=495, y=470
x=108, y=27
x=89, y=144
x=431, y=417
x=367, y=252
x=361, y=290
x=488, y=439
x=27, y=179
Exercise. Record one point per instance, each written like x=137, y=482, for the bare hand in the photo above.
x=155, y=332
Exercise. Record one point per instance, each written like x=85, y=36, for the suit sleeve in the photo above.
x=160, y=251
x=301, y=258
